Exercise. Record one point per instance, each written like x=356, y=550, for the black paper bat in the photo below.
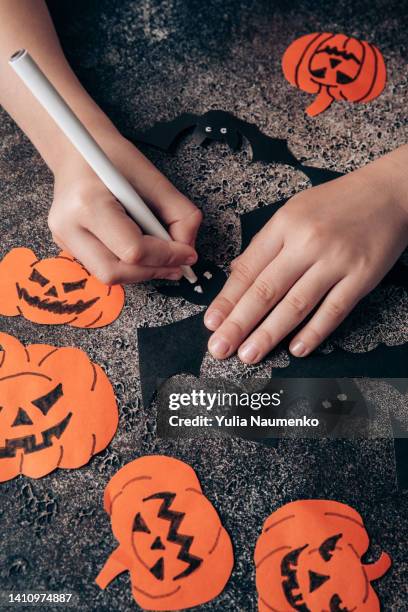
x=180, y=347
x=220, y=126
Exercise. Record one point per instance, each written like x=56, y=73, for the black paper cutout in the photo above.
x=382, y=362
x=318, y=176
x=168, y=350
x=210, y=286
x=219, y=126
x=180, y=347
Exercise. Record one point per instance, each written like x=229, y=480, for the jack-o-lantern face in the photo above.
x=334, y=66
x=171, y=538
x=308, y=558
x=57, y=409
x=55, y=291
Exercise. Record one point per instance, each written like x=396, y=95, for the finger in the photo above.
x=171, y=205
x=185, y=230
x=266, y=291
x=120, y=234
x=59, y=242
x=103, y=264
x=244, y=270
x=298, y=302
x=337, y=305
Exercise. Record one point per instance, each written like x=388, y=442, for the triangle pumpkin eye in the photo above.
x=22, y=418
x=46, y=402
x=139, y=524
x=316, y=580
x=320, y=73
x=158, y=569
x=36, y=277
x=342, y=78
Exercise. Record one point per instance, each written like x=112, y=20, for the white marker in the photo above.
x=41, y=88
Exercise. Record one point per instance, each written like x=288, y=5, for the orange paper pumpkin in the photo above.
x=335, y=67
x=56, y=290
x=170, y=536
x=57, y=409
x=308, y=558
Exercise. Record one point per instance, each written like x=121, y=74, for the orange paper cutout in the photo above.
x=57, y=409
x=335, y=67
x=308, y=558
x=171, y=539
x=55, y=291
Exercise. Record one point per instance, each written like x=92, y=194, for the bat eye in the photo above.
x=223, y=130
x=208, y=128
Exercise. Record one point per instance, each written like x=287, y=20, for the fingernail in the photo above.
x=213, y=319
x=174, y=276
x=191, y=260
x=249, y=352
x=218, y=347
x=299, y=349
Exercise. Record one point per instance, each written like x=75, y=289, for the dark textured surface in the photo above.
x=146, y=61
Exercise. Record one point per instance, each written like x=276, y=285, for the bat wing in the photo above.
x=252, y=222
x=168, y=350
x=382, y=362
x=398, y=275
x=265, y=148
x=318, y=176
x=164, y=134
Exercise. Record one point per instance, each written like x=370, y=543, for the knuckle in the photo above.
x=132, y=254
x=83, y=207
x=280, y=217
x=264, y=338
x=55, y=224
x=197, y=216
x=264, y=292
x=107, y=276
x=223, y=304
x=241, y=270
x=315, y=232
x=314, y=338
x=158, y=273
x=297, y=303
x=336, y=309
x=236, y=325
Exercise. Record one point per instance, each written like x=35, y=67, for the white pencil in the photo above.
x=41, y=88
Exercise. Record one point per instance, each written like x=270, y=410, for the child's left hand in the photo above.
x=329, y=245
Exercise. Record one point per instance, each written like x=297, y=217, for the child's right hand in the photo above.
x=86, y=220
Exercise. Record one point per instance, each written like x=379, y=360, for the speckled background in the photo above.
x=146, y=61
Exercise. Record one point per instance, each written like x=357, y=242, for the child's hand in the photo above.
x=85, y=218
x=329, y=245
x=89, y=222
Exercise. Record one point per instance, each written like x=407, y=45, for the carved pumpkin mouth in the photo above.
x=339, y=53
x=28, y=443
x=56, y=306
x=291, y=589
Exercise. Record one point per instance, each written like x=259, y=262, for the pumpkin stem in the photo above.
x=114, y=566
x=378, y=569
x=320, y=103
